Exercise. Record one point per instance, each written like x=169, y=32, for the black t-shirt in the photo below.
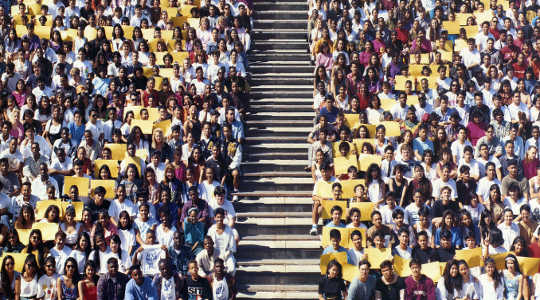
x=424, y=256
x=94, y=208
x=439, y=208
x=199, y=289
x=390, y=291
x=331, y=288
x=444, y=255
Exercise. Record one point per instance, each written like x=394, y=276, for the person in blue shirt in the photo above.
x=335, y=247
x=336, y=212
x=329, y=110
x=139, y=287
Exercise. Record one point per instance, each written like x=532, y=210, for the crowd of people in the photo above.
x=427, y=114
x=120, y=147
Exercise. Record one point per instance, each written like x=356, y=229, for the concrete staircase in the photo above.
x=277, y=259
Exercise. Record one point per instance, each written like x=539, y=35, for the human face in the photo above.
x=137, y=276
x=89, y=271
x=454, y=271
x=446, y=243
x=364, y=271
x=70, y=269
x=193, y=270
x=388, y=273
x=112, y=268
x=422, y=241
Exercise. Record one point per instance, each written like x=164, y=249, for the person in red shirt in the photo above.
x=520, y=66
x=149, y=92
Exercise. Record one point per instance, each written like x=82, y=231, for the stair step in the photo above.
x=298, y=13
x=279, y=268
x=278, y=24
x=276, y=44
x=278, y=75
x=272, y=34
x=275, y=194
x=288, y=115
x=285, y=88
x=282, y=108
x=289, y=291
x=262, y=206
x=277, y=155
x=284, y=81
x=273, y=214
x=278, y=237
x=303, y=68
x=278, y=174
x=275, y=146
x=297, y=295
x=286, y=139
x=284, y=123
x=264, y=132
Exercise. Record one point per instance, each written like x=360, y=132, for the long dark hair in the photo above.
x=497, y=277
x=335, y=263
x=369, y=178
x=76, y=276
x=95, y=258
x=88, y=248
x=6, y=284
x=115, y=238
x=124, y=214
x=451, y=283
x=40, y=247
x=90, y=263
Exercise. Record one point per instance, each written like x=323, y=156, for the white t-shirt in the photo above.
x=60, y=256
x=165, y=237
x=509, y=233
x=80, y=258
x=484, y=184
x=116, y=207
x=47, y=287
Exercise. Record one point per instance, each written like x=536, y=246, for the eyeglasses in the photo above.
x=49, y=265
x=70, y=266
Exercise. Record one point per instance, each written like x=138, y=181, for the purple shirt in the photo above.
x=424, y=289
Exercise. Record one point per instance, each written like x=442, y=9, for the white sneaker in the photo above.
x=313, y=231
x=235, y=198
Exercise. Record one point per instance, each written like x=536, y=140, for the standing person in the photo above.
x=331, y=285
x=66, y=284
x=418, y=286
x=139, y=287
x=389, y=285
x=111, y=285
x=223, y=285
x=516, y=285
x=197, y=287
x=27, y=287
x=362, y=287
x=492, y=281
x=88, y=285
x=168, y=284
x=47, y=281
x=8, y=277
x=451, y=284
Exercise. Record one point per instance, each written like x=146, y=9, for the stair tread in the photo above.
x=283, y=221
x=278, y=261
x=277, y=174
x=285, y=214
x=271, y=287
x=272, y=237
x=274, y=193
x=285, y=244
